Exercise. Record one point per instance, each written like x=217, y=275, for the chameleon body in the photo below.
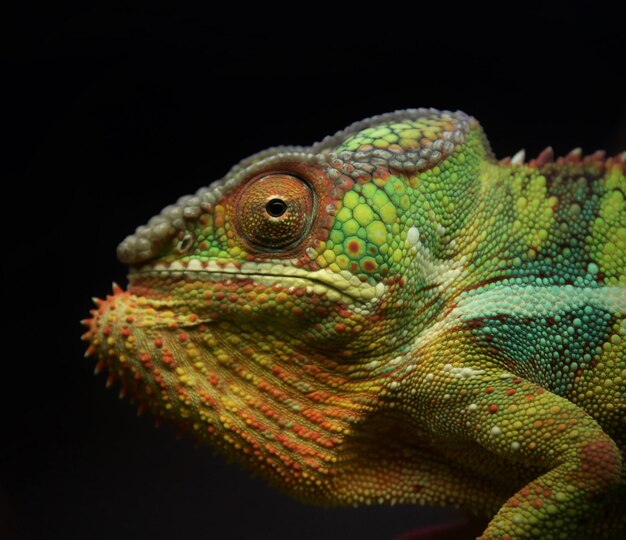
x=394, y=316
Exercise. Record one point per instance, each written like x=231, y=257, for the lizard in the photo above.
x=392, y=315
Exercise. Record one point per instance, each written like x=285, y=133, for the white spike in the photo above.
x=575, y=153
x=518, y=159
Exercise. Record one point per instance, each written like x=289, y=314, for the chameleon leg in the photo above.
x=530, y=427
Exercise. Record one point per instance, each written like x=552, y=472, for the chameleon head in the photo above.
x=264, y=314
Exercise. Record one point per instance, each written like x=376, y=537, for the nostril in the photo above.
x=147, y=241
x=185, y=243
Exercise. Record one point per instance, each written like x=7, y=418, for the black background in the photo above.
x=112, y=112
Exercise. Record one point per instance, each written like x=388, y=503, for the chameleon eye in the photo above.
x=275, y=211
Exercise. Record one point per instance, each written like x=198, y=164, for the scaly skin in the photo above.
x=392, y=315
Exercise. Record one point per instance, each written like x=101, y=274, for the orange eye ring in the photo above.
x=275, y=211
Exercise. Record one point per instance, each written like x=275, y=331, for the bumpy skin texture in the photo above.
x=392, y=315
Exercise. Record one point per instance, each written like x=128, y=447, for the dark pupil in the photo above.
x=276, y=207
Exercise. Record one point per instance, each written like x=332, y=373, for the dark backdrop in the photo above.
x=112, y=112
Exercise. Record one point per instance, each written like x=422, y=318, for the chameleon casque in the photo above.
x=394, y=316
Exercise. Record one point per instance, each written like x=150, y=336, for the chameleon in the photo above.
x=392, y=315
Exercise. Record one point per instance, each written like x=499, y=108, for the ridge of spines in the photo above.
x=573, y=157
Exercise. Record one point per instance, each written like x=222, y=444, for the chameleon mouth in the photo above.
x=337, y=286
